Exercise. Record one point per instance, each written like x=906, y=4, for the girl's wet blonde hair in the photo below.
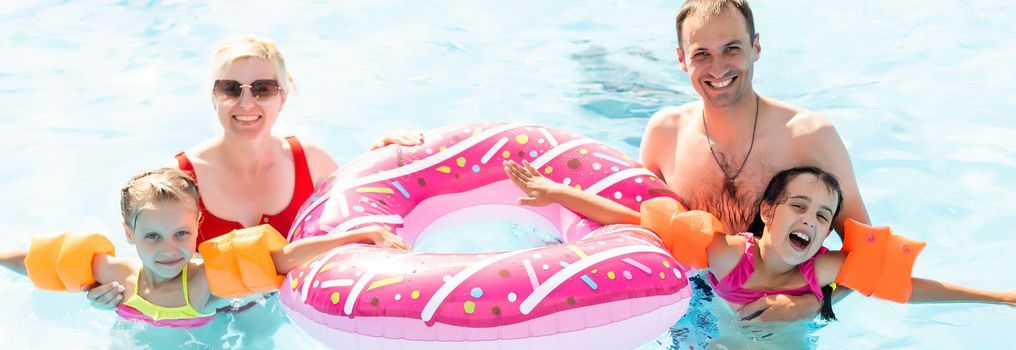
x=248, y=46
x=162, y=184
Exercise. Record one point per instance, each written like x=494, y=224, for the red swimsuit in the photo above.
x=213, y=226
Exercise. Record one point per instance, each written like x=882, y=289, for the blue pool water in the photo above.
x=921, y=93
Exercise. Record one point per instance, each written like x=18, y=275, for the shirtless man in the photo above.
x=719, y=153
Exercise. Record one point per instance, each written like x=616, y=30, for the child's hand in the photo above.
x=540, y=190
x=384, y=239
x=106, y=296
x=401, y=137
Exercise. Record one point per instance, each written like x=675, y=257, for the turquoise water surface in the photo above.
x=921, y=93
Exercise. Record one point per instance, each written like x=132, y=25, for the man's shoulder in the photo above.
x=674, y=116
x=802, y=123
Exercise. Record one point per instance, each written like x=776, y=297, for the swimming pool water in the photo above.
x=921, y=93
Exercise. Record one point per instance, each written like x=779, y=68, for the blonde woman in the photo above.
x=247, y=175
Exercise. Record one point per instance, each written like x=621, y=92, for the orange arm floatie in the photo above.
x=686, y=234
x=240, y=263
x=878, y=262
x=64, y=262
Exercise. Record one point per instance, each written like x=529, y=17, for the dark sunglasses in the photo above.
x=230, y=90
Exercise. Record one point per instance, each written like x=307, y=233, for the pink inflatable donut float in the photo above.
x=609, y=287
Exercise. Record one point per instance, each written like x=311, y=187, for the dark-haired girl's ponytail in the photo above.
x=826, y=312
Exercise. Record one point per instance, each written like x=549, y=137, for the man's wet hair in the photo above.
x=711, y=8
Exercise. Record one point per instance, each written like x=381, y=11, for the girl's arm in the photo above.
x=15, y=261
x=542, y=191
x=931, y=291
x=105, y=268
x=297, y=253
x=827, y=267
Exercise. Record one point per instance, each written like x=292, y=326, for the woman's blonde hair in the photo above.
x=248, y=46
x=162, y=184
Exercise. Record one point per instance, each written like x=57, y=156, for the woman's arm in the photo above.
x=297, y=253
x=542, y=191
x=400, y=137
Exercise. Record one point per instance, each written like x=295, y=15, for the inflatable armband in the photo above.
x=64, y=262
x=240, y=263
x=686, y=234
x=878, y=262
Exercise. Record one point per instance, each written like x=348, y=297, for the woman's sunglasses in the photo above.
x=229, y=91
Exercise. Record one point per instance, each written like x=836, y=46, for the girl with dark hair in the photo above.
x=784, y=254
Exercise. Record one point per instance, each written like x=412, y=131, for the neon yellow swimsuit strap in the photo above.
x=186, y=294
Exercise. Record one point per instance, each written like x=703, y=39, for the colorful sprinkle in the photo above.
x=505, y=273
x=476, y=168
x=460, y=161
x=578, y=187
x=627, y=274
x=571, y=300
x=677, y=273
x=566, y=181
x=611, y=275
x=444, y=169
x=414, y=295
x=617, y=195
x=532, y=154
x=398, y=296
x=421, y=181
x=384, y=282
x=358, y=209
x=384, y=190
x=469, y=306
x=442, y=148
x=401, y=189
x=639, y=180
x=615, y=169
x=512, y=297
x=666, y=264
x=597, y=166
x=496, y=311
x=506, y=154
x=545, y=266
x=663, y=275
x=327, y=267
x=589, y=282
x=638, y=198
x=374, y=301
x=335, y=298
x=583, y=151
x=577, y=251
x=609, y=158
x=548, y=170
x=293, y=283
x=573, y=163
x=522, y=139
x=477, y=292
x=639, y=265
